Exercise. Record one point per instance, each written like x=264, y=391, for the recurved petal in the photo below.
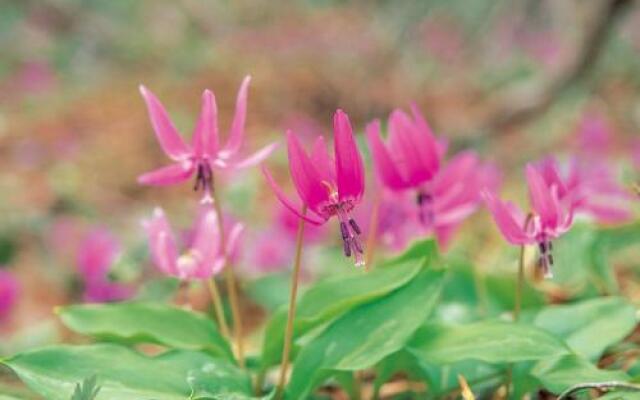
x=313, y=191
x=254, y=159
x=508, y=219
x=237, y=126
x=205, y=135
x=287, y=202
x=385, y=166
x=169, y=175
x=349, y=165
x=170, y=140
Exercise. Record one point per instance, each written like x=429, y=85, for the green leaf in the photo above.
x=330, y=298
x=123, y=374
x=146, y=323
x=590, y=326
x=489, y=341
x=560, y=374
x=365, y=335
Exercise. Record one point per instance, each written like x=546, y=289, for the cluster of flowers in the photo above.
x=422, y=193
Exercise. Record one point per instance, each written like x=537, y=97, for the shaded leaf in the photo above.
x=146, y=323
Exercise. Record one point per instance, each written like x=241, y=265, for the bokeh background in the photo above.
x=514, y=80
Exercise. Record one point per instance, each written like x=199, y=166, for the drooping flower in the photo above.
x=328, y=187
x=202, y=258
x=97, y=253
x=9, y=291
x=425, y=195
x=413, y=154
x=590, y=187
x=205, y=152
x=551, y=216
x=454, y=194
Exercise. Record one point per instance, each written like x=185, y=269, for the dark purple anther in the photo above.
x=346, y=247
x=344, y=231
x=354, y=226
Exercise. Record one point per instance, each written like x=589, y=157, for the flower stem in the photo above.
x=217, y=307
x=288, y=335
x=520, y=283
x=371, y=237
x=230, y=280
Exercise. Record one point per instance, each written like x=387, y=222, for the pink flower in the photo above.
x=551, y=216
x=328, y=187
x=440, y=206
x=205, y=153
x=413, y=154
x=9, y=291
x=590, y=187
x=202, y=259
x=97, y=253
x=441, y=196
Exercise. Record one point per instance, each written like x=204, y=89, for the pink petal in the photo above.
x=508, y=220
x=254, y=159
x=427, y=143
x=542, y=201
x=169, y=175
x=167, y=134
x=313, y=191
x=205, y=135
x=237, y=127
x=162, y=244
x=384, y=164
x=349, y=165
x=288, y=203
x=322, y=161
x=206, y=242
x=405, y=149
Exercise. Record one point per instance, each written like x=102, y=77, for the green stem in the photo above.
x=288, y=336
x=230, y=279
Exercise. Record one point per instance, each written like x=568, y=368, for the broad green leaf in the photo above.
x=489, y=341
x=123, y=374
x=590, y=326
x=365, y=335
x=560, y=374
x=146, y=323
x=332, y=297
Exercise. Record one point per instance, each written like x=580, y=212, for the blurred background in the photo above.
x=514, y=80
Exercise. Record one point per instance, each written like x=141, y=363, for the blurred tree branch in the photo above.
x=517, y=105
